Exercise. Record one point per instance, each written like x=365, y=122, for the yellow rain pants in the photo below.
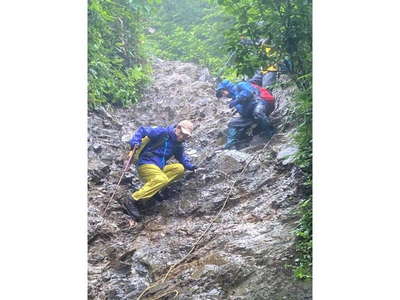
x=156, y=179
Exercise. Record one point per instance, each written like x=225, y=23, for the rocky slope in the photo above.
x=245, y=252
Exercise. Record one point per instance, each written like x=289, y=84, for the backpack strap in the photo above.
x=157, y=143
x=152, y=145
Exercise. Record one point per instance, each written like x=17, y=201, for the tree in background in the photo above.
x=284, y=24
x=117, y=69
x=190, y=31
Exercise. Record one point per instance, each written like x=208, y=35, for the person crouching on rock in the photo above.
x=161, y=144
x=252, y=110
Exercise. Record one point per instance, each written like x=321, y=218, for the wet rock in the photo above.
x=97, y=147
x=126, y=138
x=286, y=154
x=230, y=161
x=97, y=171
x=202, y=102
x=205, y=75
x=127, y=179
x=107, y=157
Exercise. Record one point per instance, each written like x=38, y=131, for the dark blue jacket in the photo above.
x=242, y=95
x=162, y=146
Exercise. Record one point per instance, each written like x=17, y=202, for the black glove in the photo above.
x=192, y=168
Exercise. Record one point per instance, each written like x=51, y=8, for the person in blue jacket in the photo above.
x=152, y=166
x=241, y=94
x=245, y=99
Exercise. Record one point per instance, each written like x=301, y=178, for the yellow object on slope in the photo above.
x=269, y=69
x=143, y=144
x=272, y=68
x=156, y=179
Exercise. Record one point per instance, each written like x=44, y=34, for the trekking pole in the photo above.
x=128, y=163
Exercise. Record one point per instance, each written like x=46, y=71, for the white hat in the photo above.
x=186, y=127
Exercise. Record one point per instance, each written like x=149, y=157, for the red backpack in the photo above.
x=264, y=94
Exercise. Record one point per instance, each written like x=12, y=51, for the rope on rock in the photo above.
x=204, y=232
x=166, y=293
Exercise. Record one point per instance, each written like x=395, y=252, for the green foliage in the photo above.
x=285, y=25
x=117, y=69
x=190, y=31
x=303, y=137
x=303, y=262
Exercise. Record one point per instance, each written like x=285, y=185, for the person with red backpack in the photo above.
x=266, y=95
x=247, y=100
x=265, y=105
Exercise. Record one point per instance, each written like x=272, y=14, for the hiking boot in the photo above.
x=131, y=208
x=269, y=133
x=161, y=196
x=230, y=146
x=158, y=197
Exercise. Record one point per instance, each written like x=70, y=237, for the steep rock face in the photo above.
x=247, y=247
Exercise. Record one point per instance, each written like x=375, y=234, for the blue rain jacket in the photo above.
x=242, y=95
x=161, y=148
